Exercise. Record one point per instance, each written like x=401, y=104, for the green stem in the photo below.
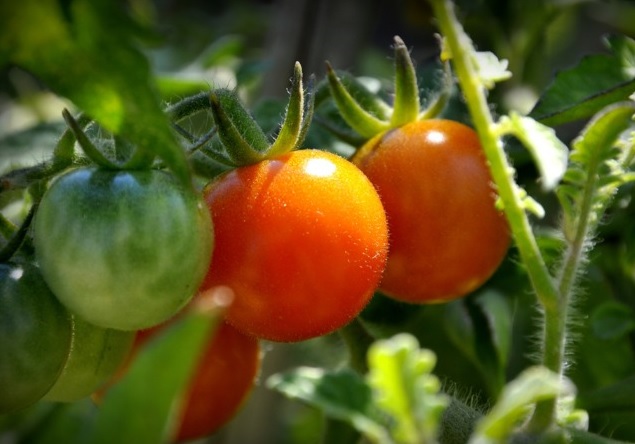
x=555, y=338
x=357, y=340
x=462, y=49
x=546, y=289
x=15, y=241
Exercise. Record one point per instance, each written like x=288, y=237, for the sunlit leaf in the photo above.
x=518, y=397
x=491, y=69
x=549, y=153
x=594, y=83
x=342, y=395
x=87, y=53
x=404, y=387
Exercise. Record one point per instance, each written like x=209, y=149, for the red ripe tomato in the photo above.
x=446, y=236
x=301, y=242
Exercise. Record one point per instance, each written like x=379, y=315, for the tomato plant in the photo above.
x=35, y=336
x=446, y=236
x=122, y=249
x=512, y=355
x=301, y=243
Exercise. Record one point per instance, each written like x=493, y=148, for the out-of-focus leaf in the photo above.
x=518, y=397
x=143, y=409
x=617, y=396
x=612, y=320
x=470, y=331
x=498, y=314
x=342, y=395
x=404, y=387
x=594, y=83
x=85, y=50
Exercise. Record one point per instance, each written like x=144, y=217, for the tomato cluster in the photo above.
x=294, y=244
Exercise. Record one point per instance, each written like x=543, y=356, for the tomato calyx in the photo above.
x=138, y=158
x=243, y=140
x=368, y=115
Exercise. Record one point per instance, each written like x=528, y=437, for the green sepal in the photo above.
x=436, y=106
x=361, y=120
x=138, y=159
x=188, y=106
x=244, y=139
x=290, y=130
x=406, y=105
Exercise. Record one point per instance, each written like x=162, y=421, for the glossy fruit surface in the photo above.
x=301, y=242
x=35, y=337
x=122, y=249
x=96, y=353
x=446, y=236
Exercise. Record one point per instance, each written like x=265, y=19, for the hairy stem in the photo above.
x=546, y=288
x=462, y=49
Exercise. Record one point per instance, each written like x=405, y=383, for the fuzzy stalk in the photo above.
x=461, y=49
x=546, y=288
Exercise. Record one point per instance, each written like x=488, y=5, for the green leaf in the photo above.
x=613, y=397
x=490, y=69
x=612, y=320
x=585, y=89
x=143, y=409
x=499, y=316
x=518, y=397
x=86, y=52
x=473, y=332
x=342, y=395
x=403, y=387
x=596, y=167
x=549, y=153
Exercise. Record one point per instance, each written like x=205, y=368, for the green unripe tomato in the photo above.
x=96, y=353
x=35, y=337
x=122, y=249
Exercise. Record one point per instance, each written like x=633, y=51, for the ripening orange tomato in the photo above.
x=446, y=236
x=301, y=243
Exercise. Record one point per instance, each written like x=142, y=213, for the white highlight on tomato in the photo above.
x=319, y=167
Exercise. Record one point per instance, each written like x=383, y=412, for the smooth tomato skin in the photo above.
x=446, y=236
x=122, y=249
x=35, y=336
x=301, y=242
